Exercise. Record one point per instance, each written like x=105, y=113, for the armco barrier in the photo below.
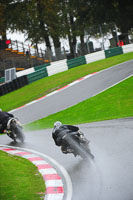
x=38, y=72
x=127, y=48
x=8, y=87
x=3, y=90
x=113, y=52
x=25, y=72
x=13, y=85
x=2, y=79
x=76, y=62
x=16, y=83
x=37, y=75
x=41, y=66
x=92, y=57
x=56, y=67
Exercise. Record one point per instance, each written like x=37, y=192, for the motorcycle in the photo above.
x=14, y=130
x=77, y=144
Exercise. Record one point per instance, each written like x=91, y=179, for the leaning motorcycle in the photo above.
x=14, y=130
x=77, y=144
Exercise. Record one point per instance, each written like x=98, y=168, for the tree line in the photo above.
x=41, y=20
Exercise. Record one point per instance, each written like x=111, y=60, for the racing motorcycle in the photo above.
x=14, y=130
x=77, y=144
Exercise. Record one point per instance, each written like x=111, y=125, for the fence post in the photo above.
x=17, y=45
x=103, y=48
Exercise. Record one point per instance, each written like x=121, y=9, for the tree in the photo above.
x=4, y=16
x=118, y=11
x=41, y=20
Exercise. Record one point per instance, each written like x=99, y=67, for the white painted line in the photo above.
x=112, y=85
x=52, y=93
x=69, y=85
x=31, y=102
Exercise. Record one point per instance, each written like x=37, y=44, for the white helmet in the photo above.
x=57, y=124
x=0, y=110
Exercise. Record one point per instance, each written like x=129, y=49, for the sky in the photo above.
x=21, y=38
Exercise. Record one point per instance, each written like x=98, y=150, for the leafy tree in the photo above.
x=118, y=11
x=4, y=16
x=41, y=20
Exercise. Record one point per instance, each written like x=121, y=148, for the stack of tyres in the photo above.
x=3, y=90
x=8, y=87
x=23, y=80
x=13, y=85
x=16, y=84
x=20, y=83
x=26, y=82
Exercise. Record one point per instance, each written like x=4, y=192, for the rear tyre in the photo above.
x=12, y=136
x=19, y=133
x=85, y=151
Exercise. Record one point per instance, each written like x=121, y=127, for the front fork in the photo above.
x=10, y=134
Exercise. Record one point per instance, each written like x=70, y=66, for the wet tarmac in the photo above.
x=110, y=176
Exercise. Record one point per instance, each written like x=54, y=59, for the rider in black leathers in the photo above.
x=60, y=131
x=4, y=117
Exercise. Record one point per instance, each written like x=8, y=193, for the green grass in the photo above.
x=116, y=102
x=46, y=85
x=19, y=179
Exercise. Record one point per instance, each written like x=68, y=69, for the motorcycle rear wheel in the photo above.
x=19, y=133
x=85, y=151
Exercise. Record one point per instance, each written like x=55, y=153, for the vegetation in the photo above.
x=46, y=85
x=63, y=19
x=113, y=103
x=19, y=179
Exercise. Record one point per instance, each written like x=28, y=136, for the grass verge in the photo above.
x=19, y=179
x=116, y=102
x=46, y=85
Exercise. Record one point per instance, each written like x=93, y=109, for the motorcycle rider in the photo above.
x=4, y=117
x=60, y=131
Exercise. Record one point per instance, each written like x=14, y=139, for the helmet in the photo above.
x=57, y=124
x=0, y=110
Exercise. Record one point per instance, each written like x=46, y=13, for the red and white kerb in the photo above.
x=53, y=182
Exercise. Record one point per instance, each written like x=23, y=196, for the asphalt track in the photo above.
x=110, y=176
x=76, y=93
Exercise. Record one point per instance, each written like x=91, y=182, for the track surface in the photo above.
x=75, y=94
x=110, y=176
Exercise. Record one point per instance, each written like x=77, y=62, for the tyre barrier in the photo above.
x=49, y=69
x=13, y=85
